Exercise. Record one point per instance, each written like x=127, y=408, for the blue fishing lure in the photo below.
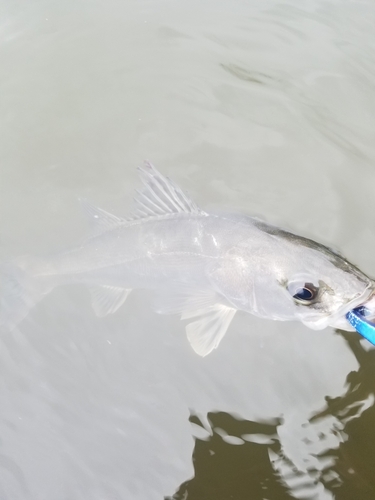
x=357, y=318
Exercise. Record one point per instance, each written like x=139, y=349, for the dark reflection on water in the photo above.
x=238, y=458
x=227, y=471
x=352, y=473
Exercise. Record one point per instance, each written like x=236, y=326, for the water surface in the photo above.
x=264, y=107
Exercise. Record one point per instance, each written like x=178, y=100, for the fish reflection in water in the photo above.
x=233, y=461
x=203, y=266
x=350, y=464
x=329, y=456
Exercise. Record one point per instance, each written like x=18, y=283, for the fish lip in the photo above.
x=336, y=320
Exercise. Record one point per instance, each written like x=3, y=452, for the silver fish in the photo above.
x=203, y=266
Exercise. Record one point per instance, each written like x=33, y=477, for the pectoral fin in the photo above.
x=206, y=332
x=107, y=299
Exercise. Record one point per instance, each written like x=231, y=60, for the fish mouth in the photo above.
x=338, y=318
x=366, y=299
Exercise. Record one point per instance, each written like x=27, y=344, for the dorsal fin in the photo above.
x=100, y=220
x=160, y=196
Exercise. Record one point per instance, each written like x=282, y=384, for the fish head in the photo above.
x=322, y=296
x=288, y=277
x=317, y=285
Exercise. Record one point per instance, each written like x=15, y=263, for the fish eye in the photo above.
x=303, y=293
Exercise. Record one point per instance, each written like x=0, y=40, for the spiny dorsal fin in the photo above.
x=100, y=219
x=160, y=196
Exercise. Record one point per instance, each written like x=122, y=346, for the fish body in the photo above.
x=203, y=266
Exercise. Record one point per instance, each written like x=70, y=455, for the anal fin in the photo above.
x=107, y=299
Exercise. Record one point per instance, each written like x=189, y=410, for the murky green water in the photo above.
x=265, y=107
